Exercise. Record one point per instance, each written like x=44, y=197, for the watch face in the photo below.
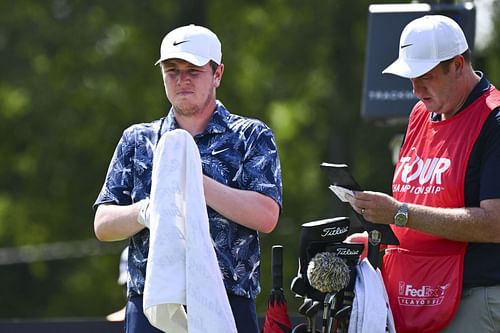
x=400, y=219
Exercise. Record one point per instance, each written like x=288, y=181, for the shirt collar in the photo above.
x=482, y=86
x=479, y=89
x=219, y=121
x=217, y=124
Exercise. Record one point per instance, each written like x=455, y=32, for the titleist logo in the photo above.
x=347, y=252
x=334, y=231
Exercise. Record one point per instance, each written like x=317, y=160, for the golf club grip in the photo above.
x=277, y=266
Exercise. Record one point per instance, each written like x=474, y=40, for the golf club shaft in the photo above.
x=277, y=266
x=331, y=309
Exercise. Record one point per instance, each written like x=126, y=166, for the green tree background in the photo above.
x=75, y=73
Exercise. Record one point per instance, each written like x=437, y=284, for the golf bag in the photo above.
x=319, y=237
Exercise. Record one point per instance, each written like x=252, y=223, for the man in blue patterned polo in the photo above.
x=241, y=167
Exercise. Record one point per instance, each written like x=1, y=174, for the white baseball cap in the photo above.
x=424, y=43
x=192, y=43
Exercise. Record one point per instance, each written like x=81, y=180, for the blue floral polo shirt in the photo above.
x=236, y=151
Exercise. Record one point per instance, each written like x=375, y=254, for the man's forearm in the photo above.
x=250, y=209
x=114, y=222
x=472, y=224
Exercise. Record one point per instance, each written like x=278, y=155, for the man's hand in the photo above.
x=376, y=207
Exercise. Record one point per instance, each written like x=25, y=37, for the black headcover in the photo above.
x=323, y=236
x=316, y=235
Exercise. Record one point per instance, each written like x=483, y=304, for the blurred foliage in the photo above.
x=75, y=73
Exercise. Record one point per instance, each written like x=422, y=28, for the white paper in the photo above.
x=341, y=192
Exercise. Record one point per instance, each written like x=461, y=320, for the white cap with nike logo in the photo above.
x=424, y=43
x=194, y=44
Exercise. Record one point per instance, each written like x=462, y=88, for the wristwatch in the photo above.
x=401, y=217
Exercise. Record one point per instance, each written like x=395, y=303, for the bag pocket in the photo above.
x=424, y=289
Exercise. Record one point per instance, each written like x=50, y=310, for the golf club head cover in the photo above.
x=328, y=273
x=320, y=236
x=316, y=235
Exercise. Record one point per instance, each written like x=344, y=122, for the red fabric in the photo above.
x=423, y=275
x=277, y=320
x=428, y=290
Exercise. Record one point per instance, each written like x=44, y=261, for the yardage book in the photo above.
x=341, y=183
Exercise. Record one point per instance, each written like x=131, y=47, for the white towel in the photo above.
x=182, y=266
x=371, y=312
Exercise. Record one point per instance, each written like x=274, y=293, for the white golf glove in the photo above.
x=143, y=217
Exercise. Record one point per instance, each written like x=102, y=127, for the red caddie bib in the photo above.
x=423, y=275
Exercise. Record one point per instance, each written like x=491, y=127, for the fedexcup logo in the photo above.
x=410, y=295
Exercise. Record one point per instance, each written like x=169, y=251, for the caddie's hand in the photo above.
x=376, y=207
x=143, y=216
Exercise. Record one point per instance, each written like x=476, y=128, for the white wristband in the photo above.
x=143, y=216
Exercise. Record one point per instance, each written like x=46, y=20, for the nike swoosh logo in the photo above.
x=178, y=43
x=215, y=152
x=406, y=45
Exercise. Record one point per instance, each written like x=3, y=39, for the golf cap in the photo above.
x=424, y=43
x=192, y=43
